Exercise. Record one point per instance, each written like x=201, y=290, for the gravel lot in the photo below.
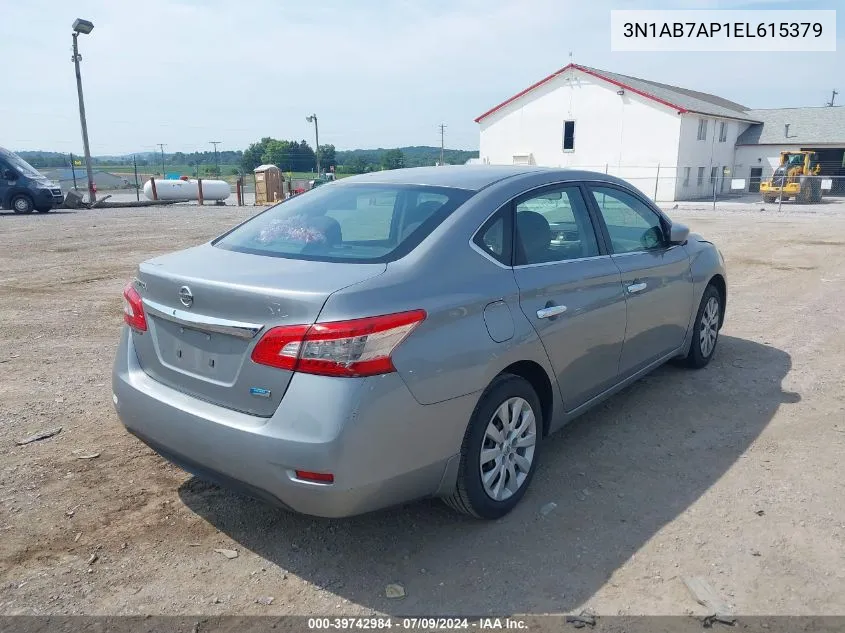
x=733, y=473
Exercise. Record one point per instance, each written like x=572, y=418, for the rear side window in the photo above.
x=347, y=223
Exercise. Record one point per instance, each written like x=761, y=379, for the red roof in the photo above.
x=583, y=69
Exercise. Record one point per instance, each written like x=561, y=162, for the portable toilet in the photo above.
x=268, y=184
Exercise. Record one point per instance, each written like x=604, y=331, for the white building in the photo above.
x=672, y=143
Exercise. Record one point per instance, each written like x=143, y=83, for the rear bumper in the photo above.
x=382, y=447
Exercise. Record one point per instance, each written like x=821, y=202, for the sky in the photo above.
x=378, y=73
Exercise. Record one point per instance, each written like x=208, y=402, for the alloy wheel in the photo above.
x=508, y=448
x=709, y=329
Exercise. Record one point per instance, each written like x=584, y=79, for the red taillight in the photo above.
x=360, y=347
x=307, y=475
x=133, y=309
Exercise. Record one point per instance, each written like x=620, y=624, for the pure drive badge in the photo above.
x=259, y=392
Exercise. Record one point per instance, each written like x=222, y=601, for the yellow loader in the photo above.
x=796, y=177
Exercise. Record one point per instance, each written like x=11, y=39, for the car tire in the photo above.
x=480, y=492
x=706, y=326
x=770, y=199
x=21, y=203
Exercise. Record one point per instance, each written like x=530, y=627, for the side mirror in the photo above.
x=678, y=233
x=8, y=174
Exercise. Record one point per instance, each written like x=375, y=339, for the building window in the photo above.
x=702, y=129
x=700, y=176
x=569, y=136
x=687, y=171
x=713, y=172
x=723, y=132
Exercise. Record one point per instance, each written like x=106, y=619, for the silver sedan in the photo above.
x=409, y=333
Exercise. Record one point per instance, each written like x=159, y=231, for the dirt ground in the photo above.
x=733, y=473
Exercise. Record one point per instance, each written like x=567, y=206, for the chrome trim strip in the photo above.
x=562, y=261
x=238, y=329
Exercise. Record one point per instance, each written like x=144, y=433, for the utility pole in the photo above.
x=313, y=119
x=137, y=187
x=161, y=145
x=73, y=171
x=442, y=133
x=80, y=26
x=216, y=160
x=832, y=99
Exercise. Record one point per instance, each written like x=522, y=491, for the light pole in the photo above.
x=85, y=27
x=313, y=119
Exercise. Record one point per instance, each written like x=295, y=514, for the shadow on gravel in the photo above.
x=618, y=475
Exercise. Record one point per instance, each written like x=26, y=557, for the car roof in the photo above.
x=470, y=177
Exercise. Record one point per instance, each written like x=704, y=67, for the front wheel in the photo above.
x=499, y=452
x=22, y=203
x=706, y=329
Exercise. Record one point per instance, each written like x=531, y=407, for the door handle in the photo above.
x=637, y=287
x=551, y=311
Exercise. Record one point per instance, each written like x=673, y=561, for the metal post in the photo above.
x=317, y=138
x=715, y=180
x=137, y=187
x=442, y=133
x=92, y=197
x=656, y=181
x=153, y=186
x=199, y=191
x=73, y=171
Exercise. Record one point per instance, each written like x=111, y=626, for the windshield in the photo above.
x=347, y=223
x=22, y=166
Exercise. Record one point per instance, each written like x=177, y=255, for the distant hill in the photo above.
x=415, y=156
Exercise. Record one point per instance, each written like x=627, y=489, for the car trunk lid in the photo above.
x=207, y=307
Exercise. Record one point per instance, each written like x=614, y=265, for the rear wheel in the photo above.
x=498, y=456
x=22, y=203
x=706, y=329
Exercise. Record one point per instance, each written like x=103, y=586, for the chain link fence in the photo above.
x=668, y=183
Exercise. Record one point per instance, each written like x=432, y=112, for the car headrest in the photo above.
x=534, y=232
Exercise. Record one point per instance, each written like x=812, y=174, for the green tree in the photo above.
x=251, y=157
x=327, y=156
x=393, y=159
x=277, y=153
x=356, y=165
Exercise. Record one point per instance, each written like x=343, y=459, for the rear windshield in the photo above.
x=347, y=223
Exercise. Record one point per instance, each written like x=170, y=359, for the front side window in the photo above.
x=554, y=226
x=631, y=224
x=353, y=223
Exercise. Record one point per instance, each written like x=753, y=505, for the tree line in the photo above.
x=288, y=155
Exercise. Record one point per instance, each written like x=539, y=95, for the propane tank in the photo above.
x=188, y=190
